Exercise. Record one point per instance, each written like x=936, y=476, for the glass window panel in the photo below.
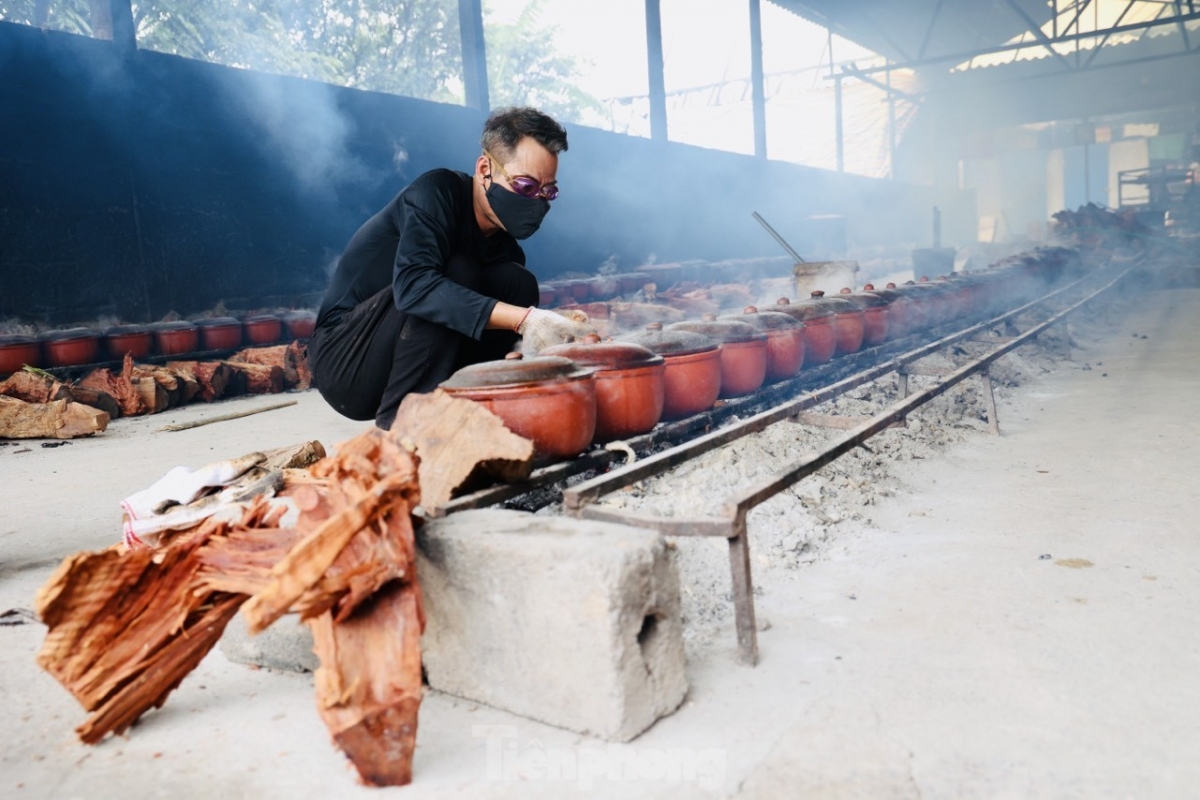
x=579, y=62
x=411, y=48
x=84, y=17
x=706, y=71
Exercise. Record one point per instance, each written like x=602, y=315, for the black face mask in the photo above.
x=520, y=216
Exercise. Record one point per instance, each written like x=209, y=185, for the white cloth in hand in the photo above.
x=541, y=329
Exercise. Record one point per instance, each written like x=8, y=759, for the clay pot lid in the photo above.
x=253, y=318
x=726, y=331
x=215, y=322
x=127, y=330
x=11, y=339
x=70, y=334
x=836, y=304
x=803, y=310
x=765, y=320
x=515, y=372
x=178, y=325
x=299, y=313
x=862, y=299
x=595, y=354
x=670, y=342
x=891, y=295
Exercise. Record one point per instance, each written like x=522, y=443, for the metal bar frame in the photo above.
x=732, y=524
x=1096, y=50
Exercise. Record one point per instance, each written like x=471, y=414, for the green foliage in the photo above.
x=407, y=47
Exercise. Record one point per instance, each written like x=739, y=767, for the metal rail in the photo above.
x=731, y=524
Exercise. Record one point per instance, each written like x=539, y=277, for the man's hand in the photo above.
x=541, y=329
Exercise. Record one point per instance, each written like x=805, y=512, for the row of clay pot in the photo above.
x=572, y=396
x=73, y=347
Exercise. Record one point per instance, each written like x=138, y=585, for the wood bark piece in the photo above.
x=34, y=387
x=294, y=456
x=247, y=378
x=59, y=419
x=454, y=438
x=211, y=376
x=372, y=476
x=298, y=354
x=120, y=386
x=369, y=682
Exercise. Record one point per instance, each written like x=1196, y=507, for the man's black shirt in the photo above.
x=407, y=245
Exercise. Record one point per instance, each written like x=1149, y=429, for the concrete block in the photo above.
x=569, y=622
x=286, y=645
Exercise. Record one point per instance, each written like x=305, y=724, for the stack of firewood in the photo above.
x=35, y=404
x=126, y=626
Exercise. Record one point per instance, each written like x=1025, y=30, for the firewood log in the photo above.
x=96, y=399
x=120, y=387
x=288, y=357
x=34, y=387
x=211, y=376
x=58, y=419
x=153, y=395
x=246, y=378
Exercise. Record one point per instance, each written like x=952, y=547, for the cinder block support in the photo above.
x=286, y=645
x=571, y=622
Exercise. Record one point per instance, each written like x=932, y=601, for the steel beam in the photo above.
x=654, y=63
x=937, y=10
x=474, y=54
x=757, y=81
x=1173, y=19
x=1037, y=31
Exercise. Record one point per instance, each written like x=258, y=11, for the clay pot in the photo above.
x=71, y=347
x=664, y=275
x=300, y=324
x=785, y=340
x=136, y=340
x=630, y=387
x=899, y=310
x=848, y=322
x=918, y=310
x=692, y=374
x=547, y=399
x=580, y=290
x=262, y=329
x=175, y=338
x=17, y=351
x=547, y=295
x=219, y=333
x=743, y=353
x=876, y=318
x=604, y=287
x=820, y=332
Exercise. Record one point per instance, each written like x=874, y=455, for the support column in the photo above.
x=474, y=54
x=837, y=116
x=654, y=61
x=757, y=80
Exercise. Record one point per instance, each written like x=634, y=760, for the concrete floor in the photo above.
x=1019, y=623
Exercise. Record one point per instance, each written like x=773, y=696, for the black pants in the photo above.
x=367, y=362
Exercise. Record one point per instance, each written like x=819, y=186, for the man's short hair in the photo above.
x=507, y=126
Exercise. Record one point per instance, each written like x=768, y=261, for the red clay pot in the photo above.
x=820, y=335
x=692, y=368
x=743, y=353
x=630, y=385
x=898, y=308
x=848, y=322
x=547, y=399
x=876, y=316
x=219, y=333
x=71, y=347
x=785, y=340
x=547, y=295
x=175, y=338
x=262, y=329
x=17, y=351
x=300, y=324
x=136, y=340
